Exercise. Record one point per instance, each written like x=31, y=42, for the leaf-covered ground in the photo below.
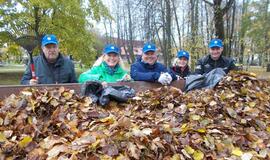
x=231, y=121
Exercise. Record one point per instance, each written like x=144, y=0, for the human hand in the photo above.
x=33, y=81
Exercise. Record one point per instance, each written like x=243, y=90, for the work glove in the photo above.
x=168, y=78
x=164, y=79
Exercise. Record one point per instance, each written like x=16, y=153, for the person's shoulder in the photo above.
x=204, y=58
x=137, y=63
x=66, y=59
x=37, y=58
x=158, y=64
x=228, y=59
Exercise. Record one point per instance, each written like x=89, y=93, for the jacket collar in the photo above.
x=147, y=65
x=117, y=69
x=59, y=60
x=221, y=58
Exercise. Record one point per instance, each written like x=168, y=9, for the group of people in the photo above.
x=51, y=67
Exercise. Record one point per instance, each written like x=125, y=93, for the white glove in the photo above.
x=162, y=79
x=168, y=78
x=165, y=78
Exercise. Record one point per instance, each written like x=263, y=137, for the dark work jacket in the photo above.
x=62, y=71
x=141, y=71
x=177, y=70
x=207, y=64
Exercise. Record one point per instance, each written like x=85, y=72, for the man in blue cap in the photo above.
x=148, y=69
x=214, y=59
x=51, y=67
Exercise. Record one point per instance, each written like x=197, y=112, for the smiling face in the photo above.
x=51, y=52
x=215, y=52
x=112, y=59
x=182, y=61
x=150, y=57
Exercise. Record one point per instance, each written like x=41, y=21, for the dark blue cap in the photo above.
x=215, y=43
x=110, y=48
x=149, y=47
x=49, y=39
x=183, y=53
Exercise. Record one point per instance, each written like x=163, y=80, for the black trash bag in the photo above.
x=214, y=77
x=117, y=93
x=209, y=80
x=92, y=89
x=194, y=82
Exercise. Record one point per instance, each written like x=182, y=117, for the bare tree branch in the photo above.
x=211, y=4
x=228, y=6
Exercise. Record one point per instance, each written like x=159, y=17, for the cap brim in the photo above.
x=111, y=52
x=49, y=42
x=153, y=50
x=212, y=46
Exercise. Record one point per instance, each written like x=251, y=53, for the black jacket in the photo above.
x=207, y=64
x=62, y=71
x=177, y=70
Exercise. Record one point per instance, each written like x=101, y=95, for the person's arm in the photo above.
x=27, y=76
x=172, y=73
x=90, y=75
x=73, y=78
x=199, y=67
x=137, y=75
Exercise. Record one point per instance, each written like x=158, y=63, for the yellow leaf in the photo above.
x=237, y=152
x=176, y=157
x=252, y=104
x=167, y=128
x=121, y=157
x=268, y=129
x=195, y=117
x=189, y=105
x=109, y=120
x=201, y=130
x=189, y=150
x=25, y=141
x=2, y=137
x=198, y=155
x=94, y=145
x=184, y=128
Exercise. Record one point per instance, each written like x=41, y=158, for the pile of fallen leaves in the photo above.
x=231, y=121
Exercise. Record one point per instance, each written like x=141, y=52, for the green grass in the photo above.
x=260, y=72
x=11, y=75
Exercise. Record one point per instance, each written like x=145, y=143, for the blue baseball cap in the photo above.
x=183, y=53
x=110, y=48
x=149, y=47
x=215, y=43
x=49, y=39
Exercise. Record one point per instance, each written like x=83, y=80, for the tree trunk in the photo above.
x=219, y=12
x=130, y=33
x=177, y=24
x=168, y=32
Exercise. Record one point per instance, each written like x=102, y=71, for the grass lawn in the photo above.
x=11, y=75
x=260, y=72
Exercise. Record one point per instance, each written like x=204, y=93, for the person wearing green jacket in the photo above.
x=107, y=69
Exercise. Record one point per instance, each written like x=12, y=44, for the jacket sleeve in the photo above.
x=233, y=66
x=143, y=76
x=73, y=78
x=90, y=75
x=172, y=73
x=27, y=76
x=199, y=67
